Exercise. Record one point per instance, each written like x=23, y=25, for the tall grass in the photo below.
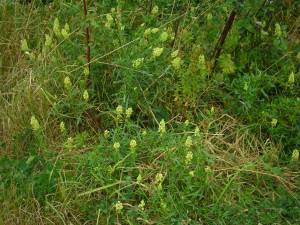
x=149, y=140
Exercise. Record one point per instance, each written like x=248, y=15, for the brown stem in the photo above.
x=87, y=37
x=220, y=43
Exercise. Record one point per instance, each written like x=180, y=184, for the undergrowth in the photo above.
x=151, y=126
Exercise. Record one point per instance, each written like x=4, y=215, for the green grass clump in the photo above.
x=133, y=175
x=150, y=127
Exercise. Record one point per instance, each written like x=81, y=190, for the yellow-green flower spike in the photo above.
x=129, y=112
x=86, y=71
x=154, y=10
x=67, y=83
x=147, y=32
x=117, y=146
x=192, y=173
x=162, y=126
x=109, y=21
x=209, y=17
x=34, y=123
x=278, y=31
x=159, y=178
x=139, y=178
x=189, y=142
x=106, y=134
x=295, y=155
x=66, y=31
x=142, y=205
x=174, y=54
x=197, y=132
x=186, y=122
x=176, y=63
x=291, y=78
x=62, y=127
x=157, y=52
x=274, y=122
x=48, y=40
x=85, y=95
x=56, y=27
x=24, y=45
x=154, y=30
x=188, y=157
x=133, y=144
x=119, y=207
x=137, y=63
x=119, y=110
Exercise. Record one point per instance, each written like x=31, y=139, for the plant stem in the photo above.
x=87, y=37
x=221, y=41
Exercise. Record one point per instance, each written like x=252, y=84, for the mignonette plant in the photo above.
x=149, y=112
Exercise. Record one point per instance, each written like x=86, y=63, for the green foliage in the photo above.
x=156, y=181
x=104, y=142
